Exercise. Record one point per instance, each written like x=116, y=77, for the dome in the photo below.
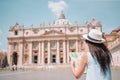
x=62, y=16
x=61, y=20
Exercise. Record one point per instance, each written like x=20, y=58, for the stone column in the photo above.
x=77, y=46
x=30, y=53
x=9, y=54
x=58, y=53
x=20, y=54
x=68, y=51
x=49, y=59
x=64, y=51
x=39, y=53
x=42, y=52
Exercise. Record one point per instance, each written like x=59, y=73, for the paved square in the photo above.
x=54, y=74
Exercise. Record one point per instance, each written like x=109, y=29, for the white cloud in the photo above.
x=57, y=7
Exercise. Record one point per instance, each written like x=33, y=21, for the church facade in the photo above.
x=47, y=44
x=113, y=40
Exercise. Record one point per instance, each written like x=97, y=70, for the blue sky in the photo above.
x=27, y=12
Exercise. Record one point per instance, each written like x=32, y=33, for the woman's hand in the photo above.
x=80, y=69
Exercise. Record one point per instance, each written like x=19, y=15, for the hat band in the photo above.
x=93, y=39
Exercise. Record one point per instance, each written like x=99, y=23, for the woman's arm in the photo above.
x=82, y=64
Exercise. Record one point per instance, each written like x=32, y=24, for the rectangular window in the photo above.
x=46, y=60
x=35, y=45
x=35, y=59
x=15, y=46
x=61, y=60
x=61, y=45
x=53, y=58
x=46, y=45
x=53, y=44
x=72, y=43
x=16, y=33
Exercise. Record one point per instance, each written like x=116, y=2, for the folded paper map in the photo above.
x=76, y=56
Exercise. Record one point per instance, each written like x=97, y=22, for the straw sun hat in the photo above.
x=94, y=36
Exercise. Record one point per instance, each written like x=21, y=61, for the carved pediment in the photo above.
x=52, y=32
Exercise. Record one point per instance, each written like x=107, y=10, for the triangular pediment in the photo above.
x=52, y=32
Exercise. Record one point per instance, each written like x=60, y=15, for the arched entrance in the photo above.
x=15, y=58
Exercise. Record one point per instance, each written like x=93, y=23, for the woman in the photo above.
x=96, y=59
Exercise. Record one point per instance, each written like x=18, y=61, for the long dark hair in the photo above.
x=100, y=52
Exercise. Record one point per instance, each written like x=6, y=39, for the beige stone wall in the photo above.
x=113, y=40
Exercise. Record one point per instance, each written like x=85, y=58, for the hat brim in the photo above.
x=86, y=37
